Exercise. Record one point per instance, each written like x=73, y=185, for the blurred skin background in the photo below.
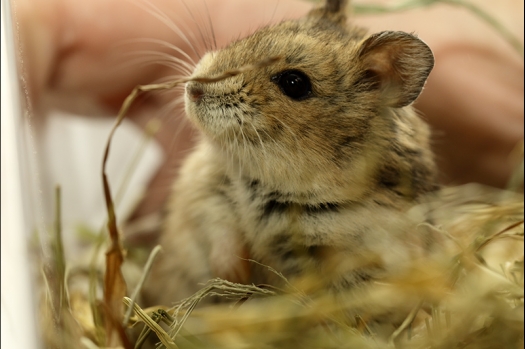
x=81, y=56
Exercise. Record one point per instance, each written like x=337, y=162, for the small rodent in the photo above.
x=301, y=163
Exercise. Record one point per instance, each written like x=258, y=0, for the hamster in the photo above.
x=304, y=165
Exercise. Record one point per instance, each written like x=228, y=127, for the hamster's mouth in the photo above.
x=215, y=107
x=215, y=118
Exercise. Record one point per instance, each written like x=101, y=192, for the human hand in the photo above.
x=473, y=98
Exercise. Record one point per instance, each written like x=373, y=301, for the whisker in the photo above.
x=272, y=139
x=233, y=150
x=156, y=12
x=203, y=37
x=173, y=110
x=262, y=169
x=274, y=11
x=168, y=45
x=162, y=60
x=244, y=147
x=285, y=125
x=211, y=25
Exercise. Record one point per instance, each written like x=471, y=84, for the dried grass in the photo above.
x=467, y=295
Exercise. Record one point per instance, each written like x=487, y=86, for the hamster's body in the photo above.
x=304, y=165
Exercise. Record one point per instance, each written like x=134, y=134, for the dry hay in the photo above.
x=469, y=294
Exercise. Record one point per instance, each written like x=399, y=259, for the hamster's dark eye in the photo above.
x=294, y=83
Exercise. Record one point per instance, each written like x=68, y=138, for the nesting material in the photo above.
x=466, y=294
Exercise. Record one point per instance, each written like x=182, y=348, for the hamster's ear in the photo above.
x=398, y=64
x=334, y=10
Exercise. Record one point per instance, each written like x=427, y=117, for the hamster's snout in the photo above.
x=195, y=93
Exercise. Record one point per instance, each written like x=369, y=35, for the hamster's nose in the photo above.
x=194, y=92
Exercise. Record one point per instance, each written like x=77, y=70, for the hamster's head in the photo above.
x=317, y=108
